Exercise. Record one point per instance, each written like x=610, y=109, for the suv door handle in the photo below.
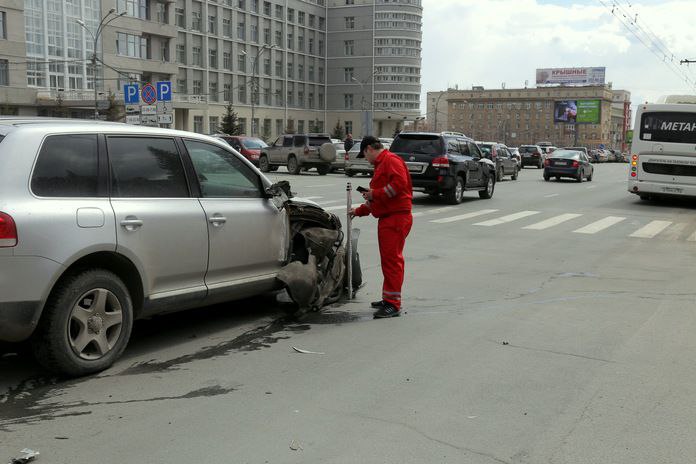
x=131, y=223
x=217, y=221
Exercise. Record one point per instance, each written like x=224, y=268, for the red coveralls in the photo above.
x=392, y=194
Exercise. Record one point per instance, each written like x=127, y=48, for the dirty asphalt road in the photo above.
x=524, y=342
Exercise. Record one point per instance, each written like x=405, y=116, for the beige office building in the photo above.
x=526, y=116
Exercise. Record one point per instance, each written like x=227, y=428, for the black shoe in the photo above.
x=377, y=304
x=387, y=310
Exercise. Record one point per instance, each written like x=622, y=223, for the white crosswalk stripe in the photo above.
x=651, y=230
x=434, y=211
x=334, y=208
x=692, y=238
x=461, y=217
x=322, y=203
x=600, y=225
x=675, y=231
x=312, y=198
x=506, y=219
x=554, y=221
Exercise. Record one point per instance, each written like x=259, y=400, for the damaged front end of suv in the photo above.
x=315, y=271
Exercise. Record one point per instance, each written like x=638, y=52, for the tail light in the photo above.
x=8, y=231
x=441, y=162
x=634, y=166
x=576, y=164
x=346, y=157
x=547, y=162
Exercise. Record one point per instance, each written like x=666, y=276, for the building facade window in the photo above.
x=348, y=101
x=349, y=47
x=350, y=22
x=198, y=124
x=3, y=25
x=180, y=17
x=4, y=72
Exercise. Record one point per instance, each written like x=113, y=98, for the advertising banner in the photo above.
x=570, y=76
x=577, y=111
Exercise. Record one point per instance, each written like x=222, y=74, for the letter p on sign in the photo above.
x=164, y=91
x=131, y=94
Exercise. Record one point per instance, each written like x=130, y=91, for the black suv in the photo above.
x=445, y=164
x=532, y=155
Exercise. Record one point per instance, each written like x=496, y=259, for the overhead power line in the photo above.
x=645, y=35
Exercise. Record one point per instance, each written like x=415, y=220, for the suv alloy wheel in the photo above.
x=264, y=165
x=455, y=195
x=293, y=165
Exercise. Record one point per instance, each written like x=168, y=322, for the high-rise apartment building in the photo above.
x=301, y=63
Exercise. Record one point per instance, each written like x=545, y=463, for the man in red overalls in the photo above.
x=389, y=200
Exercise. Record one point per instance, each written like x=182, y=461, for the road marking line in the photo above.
x=508, y=218
x=651, y=230
x=464, y=216
x=692, y=238
x=600, y=225
x=313, y=198
x=552, y=195
x=434, y=211
x=675, y=232
x=329, y=202
x=591, y=187
x=332, y=208
x=320, y=185
x=554, y=221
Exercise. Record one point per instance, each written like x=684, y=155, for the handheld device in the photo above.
x=362, y=189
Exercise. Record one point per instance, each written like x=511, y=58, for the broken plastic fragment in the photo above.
x=28, y=456
x=295, y=446
x=305, y=351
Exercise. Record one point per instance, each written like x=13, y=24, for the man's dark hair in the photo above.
x=369, y=141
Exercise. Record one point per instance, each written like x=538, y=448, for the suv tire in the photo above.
x=487, y=193
x=74, y=336
x=515, y=173
x=293, y=165
x=264, y=165
x=324, y=169
x=349, y=173
x=540, y=165
x=499, y=174
x=455, y=195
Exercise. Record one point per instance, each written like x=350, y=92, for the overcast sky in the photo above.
x=488, y=42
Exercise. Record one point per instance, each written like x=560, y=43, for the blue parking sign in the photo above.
x=131, y=94
x=164, y=91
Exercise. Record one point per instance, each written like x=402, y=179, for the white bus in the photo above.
x=663, y=153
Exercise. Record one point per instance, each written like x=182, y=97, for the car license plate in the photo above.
x=415, y=168
x=561, y=163
x=526, y=155
x=672, y=190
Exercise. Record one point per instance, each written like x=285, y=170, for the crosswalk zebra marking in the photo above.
x=434, y=211
x=674, y=232
x=461, y=217
x=651, y=229
x=506, y=219
x=334, y=208
x=554, y=221
x=312, y=198
x=330, y=202
x=552, y=195
x=600, y=225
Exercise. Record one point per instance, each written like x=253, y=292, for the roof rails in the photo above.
x=452, y=133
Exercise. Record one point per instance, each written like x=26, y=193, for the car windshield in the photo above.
x=528, y=149
x=566, y=154
x=423, y=144
x=356, y=146
x=485, y=148
x=254, y=143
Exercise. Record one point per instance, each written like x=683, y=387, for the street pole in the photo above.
x=95, y=38
x=437, y=108
x=254, y=82
x=349, y=238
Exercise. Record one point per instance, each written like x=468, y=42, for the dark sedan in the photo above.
x=568, y=163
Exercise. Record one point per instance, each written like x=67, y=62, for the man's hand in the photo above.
x=367, y=195
x=352, y=213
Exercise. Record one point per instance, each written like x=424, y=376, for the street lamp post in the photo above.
x=254, y=81
x=366, y=114
x=437, y=108
x=95, y=37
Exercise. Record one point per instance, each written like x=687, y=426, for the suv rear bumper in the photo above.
x=24, y=283
x=432, y=184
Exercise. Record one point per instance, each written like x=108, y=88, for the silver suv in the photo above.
x=299, y=152
x=103, y=223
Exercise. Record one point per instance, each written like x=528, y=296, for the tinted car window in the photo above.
x=300, y=141
x=474, y=151
x=144, y=167
x=318, y=141
x=453, y=147
x=220, y=173
x=424, y=144
x=67, y=167
x=566, y=154
x=287, y=141
x=528, y=149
